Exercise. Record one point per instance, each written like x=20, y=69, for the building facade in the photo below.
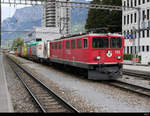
x=56, y=16
x=130, y=23
x=42, y=34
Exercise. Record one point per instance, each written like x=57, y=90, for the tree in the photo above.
x=17, y=42
x=98, y=18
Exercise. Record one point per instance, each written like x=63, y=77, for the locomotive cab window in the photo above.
x=85, y=43
x=100, y=42
x=115, y=42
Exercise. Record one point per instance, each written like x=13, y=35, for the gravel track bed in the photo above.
x=49, y=103
x=87, y=95
x=77, y=101
x=21, y=100
x=136, y=81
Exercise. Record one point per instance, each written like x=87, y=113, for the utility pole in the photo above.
x=134, y=46
x=138, y=31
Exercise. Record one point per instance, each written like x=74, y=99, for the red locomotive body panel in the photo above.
x=100, y=54
x=86, y=54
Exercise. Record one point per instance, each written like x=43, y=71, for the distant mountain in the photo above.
x=28, y=17
x=23, y=19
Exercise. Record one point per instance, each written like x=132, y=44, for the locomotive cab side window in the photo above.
x=59, y=45
x=115, y=42
x=100, y=42
x=53, y=46
x=72, y=44
x=85, y=43
x=67, y=44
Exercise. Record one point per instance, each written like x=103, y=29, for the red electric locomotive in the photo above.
x=100, y=54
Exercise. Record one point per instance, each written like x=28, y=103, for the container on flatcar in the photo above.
x=32, y=50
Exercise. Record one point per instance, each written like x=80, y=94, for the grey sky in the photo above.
x=8, y=11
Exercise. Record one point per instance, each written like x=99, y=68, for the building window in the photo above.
x=127, y=49
x=131, y=32
x=67, y=44
x=38, y=39
x=127, y=19
x=147, y=33
x=143, y=1
x=135, y=3
x=85, y=43
x=124, y=33
x=124, y=20
x=72, y=44
x=143, y=49
x=147, y=48
x=131, y=3
x=139, y=2
x=131, y=49
x=79, y=43
x=127, y=34
x=127, y=3
x=148, y=14
x=144, y=15
x=124, y=4
x=143, y=32
x=131, y=18
x=135, y=17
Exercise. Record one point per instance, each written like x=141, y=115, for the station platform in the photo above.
x=138, y=68
x=5, y=101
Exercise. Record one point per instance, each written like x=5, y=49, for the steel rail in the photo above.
x=137, y=74
x=57, y=97
x=131, y=87
x=30, y=92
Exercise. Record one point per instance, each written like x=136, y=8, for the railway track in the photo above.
x=46, y=99
x=131, y=87
x=137, y=74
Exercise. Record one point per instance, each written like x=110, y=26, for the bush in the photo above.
x=129, y=56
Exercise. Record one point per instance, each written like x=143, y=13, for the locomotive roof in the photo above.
x=85, y=35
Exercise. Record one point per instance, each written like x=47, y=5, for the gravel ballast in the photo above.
x=87, y=95
x=21, y=100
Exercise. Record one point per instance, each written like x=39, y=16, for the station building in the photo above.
x=130, y=23
x=42, y=34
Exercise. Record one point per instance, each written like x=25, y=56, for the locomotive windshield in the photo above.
x=115, y=42
x=100, y=42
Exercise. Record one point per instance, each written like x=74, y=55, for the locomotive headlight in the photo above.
x=118, y=57
x=98, y=57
